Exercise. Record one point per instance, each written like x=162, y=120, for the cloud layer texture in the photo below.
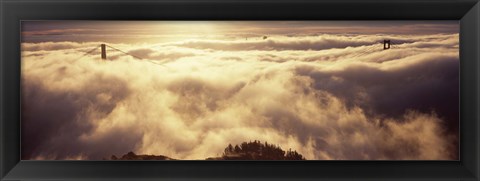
x=329, y=97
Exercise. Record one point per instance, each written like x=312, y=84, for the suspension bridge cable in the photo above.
x=88, y=52
x=395, y=45
x=156, y=63
x=137, y=57
x=124, y=52
x=367, y=50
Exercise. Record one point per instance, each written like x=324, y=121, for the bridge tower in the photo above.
x=104, y=52
x=386, y=44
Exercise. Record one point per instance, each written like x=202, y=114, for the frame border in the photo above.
x=13, y=11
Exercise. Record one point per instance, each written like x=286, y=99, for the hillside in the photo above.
x=133, y=156
x=245, y=151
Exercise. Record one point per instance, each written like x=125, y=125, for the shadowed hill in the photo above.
x=245, y=151
x=133, y=156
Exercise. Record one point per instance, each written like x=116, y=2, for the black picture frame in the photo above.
x=14, y=11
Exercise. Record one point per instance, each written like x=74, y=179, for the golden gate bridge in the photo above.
x=387, y=44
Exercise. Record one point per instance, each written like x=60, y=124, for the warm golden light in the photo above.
x=316, y=90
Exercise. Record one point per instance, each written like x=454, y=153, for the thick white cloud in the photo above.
x=326, y=96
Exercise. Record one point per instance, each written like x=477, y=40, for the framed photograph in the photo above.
x=240, y=90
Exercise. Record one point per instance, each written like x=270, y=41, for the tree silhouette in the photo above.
x=229, y=149
x=237, y=149
x=257, y=151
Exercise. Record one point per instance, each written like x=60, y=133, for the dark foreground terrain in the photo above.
x=246, y=151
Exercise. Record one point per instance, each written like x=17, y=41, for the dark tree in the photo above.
x=229, y=149
x=257, y=151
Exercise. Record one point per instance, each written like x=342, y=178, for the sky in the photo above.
x=187, y=89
